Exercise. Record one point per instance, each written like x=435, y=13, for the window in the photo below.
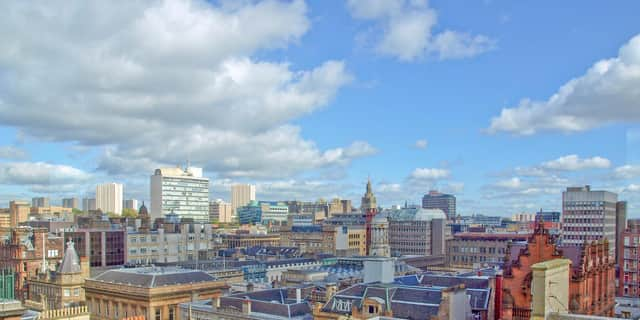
x=76, y=292
x=67, y=292
x=171, y=311
x=158, y=314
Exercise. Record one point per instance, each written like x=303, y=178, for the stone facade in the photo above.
x=591, y=285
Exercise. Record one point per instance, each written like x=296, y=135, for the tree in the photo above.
x=76, y=211
x=129, y=213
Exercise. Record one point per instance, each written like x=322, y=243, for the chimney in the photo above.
x=298, y=295
x=498, y=296
x=246, y=306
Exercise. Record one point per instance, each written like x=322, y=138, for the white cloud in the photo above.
x=157, y=82
x=628, y=171
x=12, y=153
x=513, y=183
x=429, y=174
x=421, y=144
x=632, y=188
x=574, y=163
x=406, y=31
x=609, y=92
x=40, y=173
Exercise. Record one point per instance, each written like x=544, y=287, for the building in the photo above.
x=103, y=247
x=241, y=195
x=24, y=253
x=71, y=203
x=621, y=223
x=588, y=216
x=330, y=239
x=88, y=204
x=49, y=211
x=380, y=236
x=417, y=231
x=109, y=197
x=442, y=201
x=523, y=217
x=422, y=296
x=5, y=219
x=130, y=204
x=62, y=288
x=368, y=207
x=338, y=205
x=549, y=216
x=172, y=241
x=220, y=211
x=182, y=191
x=591, y=285
x=475, y=249
x=153, y=293
x=40, y=202
x=246, y=239
x=276, y=304
x=629, y=261
x=264, y=212
x=18, y=212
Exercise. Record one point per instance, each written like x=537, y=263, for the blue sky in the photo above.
x=308, y=99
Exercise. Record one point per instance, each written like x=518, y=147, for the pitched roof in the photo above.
x=153, y=277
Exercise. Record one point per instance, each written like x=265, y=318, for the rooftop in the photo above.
x=153, y=277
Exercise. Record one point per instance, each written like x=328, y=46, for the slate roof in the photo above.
x=415, y=296
x=153, y=277
x=272, y=302
x=70, y=261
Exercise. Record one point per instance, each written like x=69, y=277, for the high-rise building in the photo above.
x=130, y=204
x=241, y=195
x=109, y=197
x=72, y=203
x=184, y=192
x=264, y=212
x=621, y=222
x=220, y=211
x=589, y=216
x=88, y=204
x=39, y=202
x=18, y=212
x=442, y=201
x=629, y=261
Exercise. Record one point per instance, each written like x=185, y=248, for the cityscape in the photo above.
x=290, y=159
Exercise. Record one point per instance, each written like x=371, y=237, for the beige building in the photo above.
x=150, y=292
x=332, y=239
x=417, y=231
x=5, y=219
x=50, y=210
x=550, y=288
x=18, y=212
x=109, y=197
x=241, y=195
x=60, y=289
x=220, y=211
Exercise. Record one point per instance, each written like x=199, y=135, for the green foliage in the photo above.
x=129, y=213
x=76, y=211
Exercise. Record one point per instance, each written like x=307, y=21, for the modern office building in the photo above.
x=264, y=212
x=241, y=195
x=39, y=202
x=548, y=216
x=72, y=203
x=589, y=216
x=629, y=261
x=417, y=231
x=220, y=211
x=442, y=201
x=88, y=204
x=470, y=249
x=109, y=197
x=182, y=191
x=130, y=204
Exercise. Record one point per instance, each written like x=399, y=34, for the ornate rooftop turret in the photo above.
x=70, y=261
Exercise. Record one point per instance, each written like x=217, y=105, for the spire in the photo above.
x=369, y=190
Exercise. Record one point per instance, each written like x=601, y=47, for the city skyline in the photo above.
x=478, y=100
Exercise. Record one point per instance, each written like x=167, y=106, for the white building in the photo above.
x=184, y=242
x=241, y=195
x=109, y=197
x=220, y=211
x=183, y=191
x=588, y=216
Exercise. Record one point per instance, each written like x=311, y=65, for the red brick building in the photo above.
x=22, y=252
x=592, y=282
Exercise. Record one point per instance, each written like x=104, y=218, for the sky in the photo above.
x=502, y=103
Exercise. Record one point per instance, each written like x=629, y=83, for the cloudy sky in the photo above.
x=504, y=103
